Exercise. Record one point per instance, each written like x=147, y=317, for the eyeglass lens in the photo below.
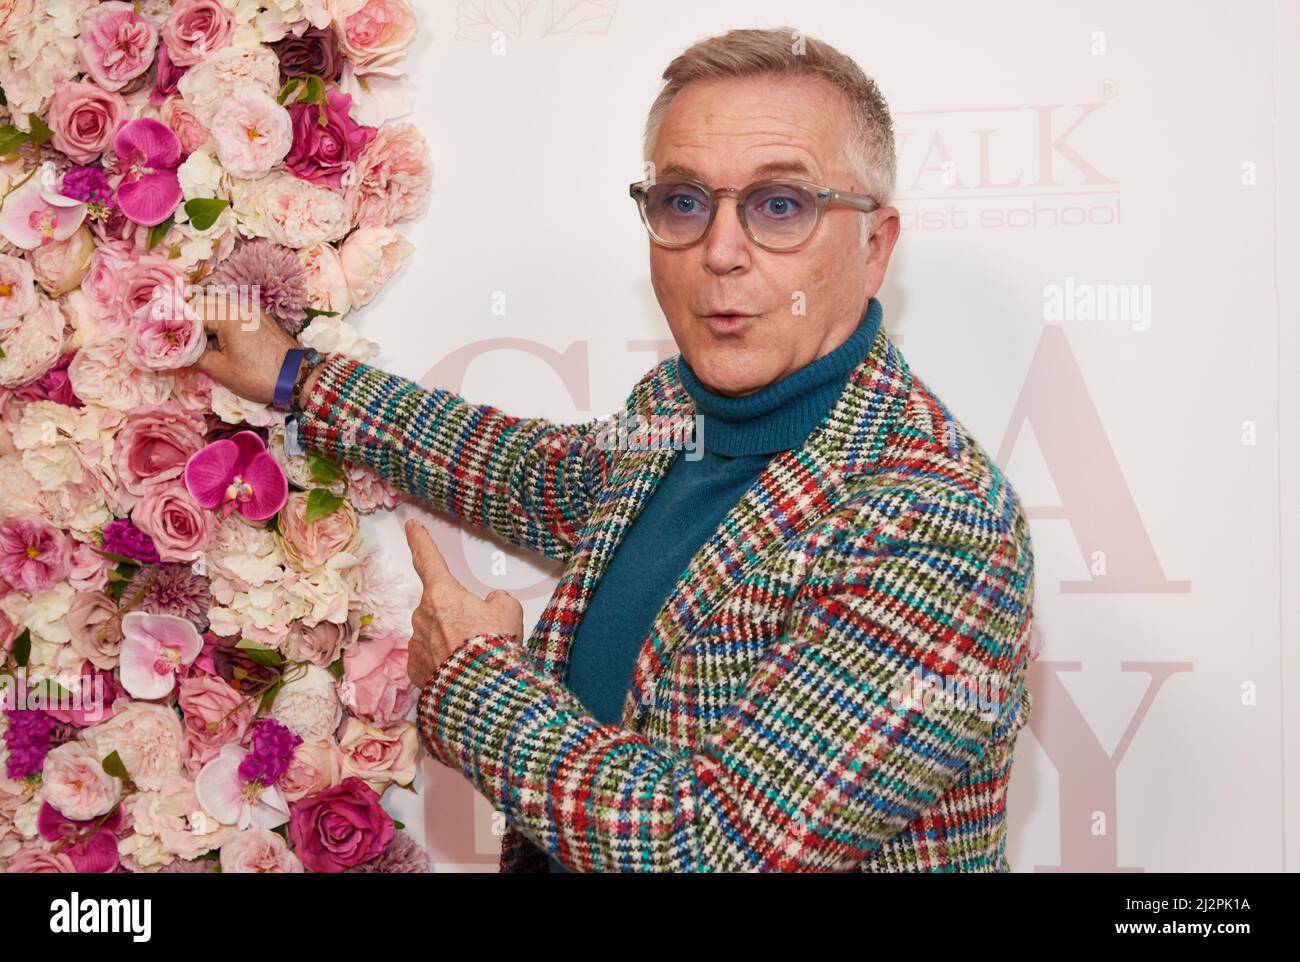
x=777, y=215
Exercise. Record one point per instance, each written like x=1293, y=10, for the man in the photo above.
x=761, y=658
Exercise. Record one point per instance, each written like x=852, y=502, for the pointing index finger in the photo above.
x=429, y=562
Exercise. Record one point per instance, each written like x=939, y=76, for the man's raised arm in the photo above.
x=528, y=480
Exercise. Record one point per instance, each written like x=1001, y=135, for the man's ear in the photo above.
x=885, y=227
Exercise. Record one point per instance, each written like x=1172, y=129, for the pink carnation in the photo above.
x=392, y=179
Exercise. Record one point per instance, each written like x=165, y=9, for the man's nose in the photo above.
x=727, y=245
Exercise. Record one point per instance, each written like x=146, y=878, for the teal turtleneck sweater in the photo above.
x=739, y=437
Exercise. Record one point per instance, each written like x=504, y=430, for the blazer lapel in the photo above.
x=794, y=490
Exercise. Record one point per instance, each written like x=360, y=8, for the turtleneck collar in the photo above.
x=782, y=415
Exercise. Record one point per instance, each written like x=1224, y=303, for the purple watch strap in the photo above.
x=288, y=373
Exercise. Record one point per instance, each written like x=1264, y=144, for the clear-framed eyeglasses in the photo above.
x=777, y=215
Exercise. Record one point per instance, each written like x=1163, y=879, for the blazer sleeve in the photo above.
x=530, y=481
x=831, y=750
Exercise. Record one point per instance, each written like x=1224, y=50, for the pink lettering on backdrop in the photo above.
x=1089, y=827
x=1095, y=498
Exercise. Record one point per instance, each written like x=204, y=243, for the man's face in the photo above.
x=721, y=132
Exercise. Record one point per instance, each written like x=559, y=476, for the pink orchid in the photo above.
x=231, y=800
x=90, y=844
x=154, y=648
x=237, y=474
x=148, y=154
x=36, y=213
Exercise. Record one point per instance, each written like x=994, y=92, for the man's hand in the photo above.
x=250, y=346
x=448, y=613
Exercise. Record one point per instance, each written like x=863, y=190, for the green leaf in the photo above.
x=11, y=138
x=267, y=657
x=159, y=231
x=40, y=133
x=312, y=314
x=288, y=90
x=113, y=765
x=268, y=697
x=2, y=352
x=3, y=99
x=336, y=667
x=320, y=503
x=204, y=211
x=398, y=825
x=23, y=647
x=273, y=522
x=315, y=90
x=323, y=469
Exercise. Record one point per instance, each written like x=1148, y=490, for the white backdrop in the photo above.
x=1067, y=147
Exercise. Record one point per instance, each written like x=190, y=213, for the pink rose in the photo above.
x=379, y=756
x=153, y=446
x=309, y=546
x=321, y=643
x=34, y=554
x=96, y=628
x=340, y=827
x=84, y=118
x=180, y=529
x=253, y=133
x=211, y=722
x=146, y=736
x=374, y=684
x=88, y=569
x=183, y=122
x=374, y=35
x=165, y=334
x=392, y=178
x=60, y=266
x=195, y=29
x=314, y=767
x=324, y=152
x=116, y=44
x=148, y=278
x=371, y=256
x=75, y=784
x=257, y=849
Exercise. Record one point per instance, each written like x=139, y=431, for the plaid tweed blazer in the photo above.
x=786, y=711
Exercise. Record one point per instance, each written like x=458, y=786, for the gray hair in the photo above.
x=783, y=51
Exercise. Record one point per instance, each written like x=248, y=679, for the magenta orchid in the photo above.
x=148, y=154
x=37, y=214
x=237, y=474
x=154, y=648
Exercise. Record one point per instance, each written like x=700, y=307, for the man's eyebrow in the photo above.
x=772, y=168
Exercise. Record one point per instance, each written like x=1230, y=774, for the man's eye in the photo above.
x=779, y=206
x=683, y=203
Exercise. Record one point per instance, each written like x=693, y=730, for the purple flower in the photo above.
x=123, y=538
x=273, y=746
x=276, y=274
x=29, y=739
x=148, y=154
x=177, y=590
x=326, y=141
x=90, y=186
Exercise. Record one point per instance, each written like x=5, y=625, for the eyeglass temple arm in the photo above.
x=860, y=201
